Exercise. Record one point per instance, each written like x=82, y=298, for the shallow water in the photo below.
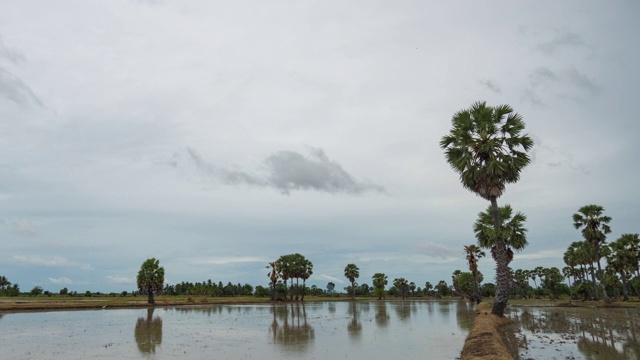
x=323, y=330
x=575, y=333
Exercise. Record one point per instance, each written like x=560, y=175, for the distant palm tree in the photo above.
x=485, y=146
x=473, y=253
x=150, y=278
x=273, y=275
x=379, y=282
x=623, y=258
x=351, y=272
x=594, y=226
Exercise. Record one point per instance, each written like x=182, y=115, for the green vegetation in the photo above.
x=485, y=146
x=351, y=272
x=150, y=278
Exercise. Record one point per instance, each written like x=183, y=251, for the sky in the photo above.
x=217, y=136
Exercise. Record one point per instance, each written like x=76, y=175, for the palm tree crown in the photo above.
x=512, y=230
x=486, y=148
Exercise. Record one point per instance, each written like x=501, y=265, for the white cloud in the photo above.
x=61, y=281
x=120, y=280
x=54, y=261
x=21, y=226
x=231, y=260
x=542, y=254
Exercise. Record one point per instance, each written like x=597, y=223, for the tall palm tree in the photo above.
x=594, y=226
x=307, y=271
x=150, y=278
x=473, y=253
x=486, y=147
x=273, y=275
x=623, y=259
x=351, y=272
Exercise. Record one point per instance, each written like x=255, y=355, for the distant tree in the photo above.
x=402, y=285
x=4, y=282
x=427, y=288
x=521, y=279
x=488, y=290
x=473, y=253
x=64, y=291
x=37, y=290
x=594, y=226
x=351, y=272
x=442, y=289
x=261, y=291
x=466, y=283
x=150, y=278
x=273, y=274
x=379, y=283
x=485, y=146
x=331, y=288
x=552, y=281
x=623, y=259
x=294, y=266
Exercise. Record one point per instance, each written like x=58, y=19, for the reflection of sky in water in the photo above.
x=372, y=330
x=592, y=333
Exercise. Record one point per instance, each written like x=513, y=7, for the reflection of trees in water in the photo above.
x=355, y=327
x=332, y=307
x=205, y=310
x=289, y=327
x=465, y=315
x=404, y=309
x=382, y=318
x=148, y=333
x=600, y=333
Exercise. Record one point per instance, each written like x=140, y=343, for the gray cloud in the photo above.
x=580, y=80
x=21, y=226
x=286, y=171
x=292, y=171
x=491, y=85
x=13, y=56
x=542, y=76
x=228, y=177
x=14, y=89
x=566, y=40
x=562, y=85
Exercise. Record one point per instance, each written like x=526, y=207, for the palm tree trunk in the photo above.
x=150, y=296
x=601, y=276
x=502, y=269
x=595, y=287
x=475, y=285
x=625, y=291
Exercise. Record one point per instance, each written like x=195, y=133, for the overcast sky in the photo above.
x=219, y=135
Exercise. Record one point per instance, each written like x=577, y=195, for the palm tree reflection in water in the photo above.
x=148, y=333
x=382, y=318
x=289, y=327
x=355, y=327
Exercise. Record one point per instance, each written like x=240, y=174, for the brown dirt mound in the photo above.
x=484, y=342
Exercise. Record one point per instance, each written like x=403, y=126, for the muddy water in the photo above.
x=575, y=333
x=361, y=330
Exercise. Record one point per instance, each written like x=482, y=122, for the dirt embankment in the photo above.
x=485, y=342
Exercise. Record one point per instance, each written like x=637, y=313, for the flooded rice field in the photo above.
x=574, y=333
x=323, y=330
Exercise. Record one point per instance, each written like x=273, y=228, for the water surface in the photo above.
x=320, y=330
x=575, y=333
